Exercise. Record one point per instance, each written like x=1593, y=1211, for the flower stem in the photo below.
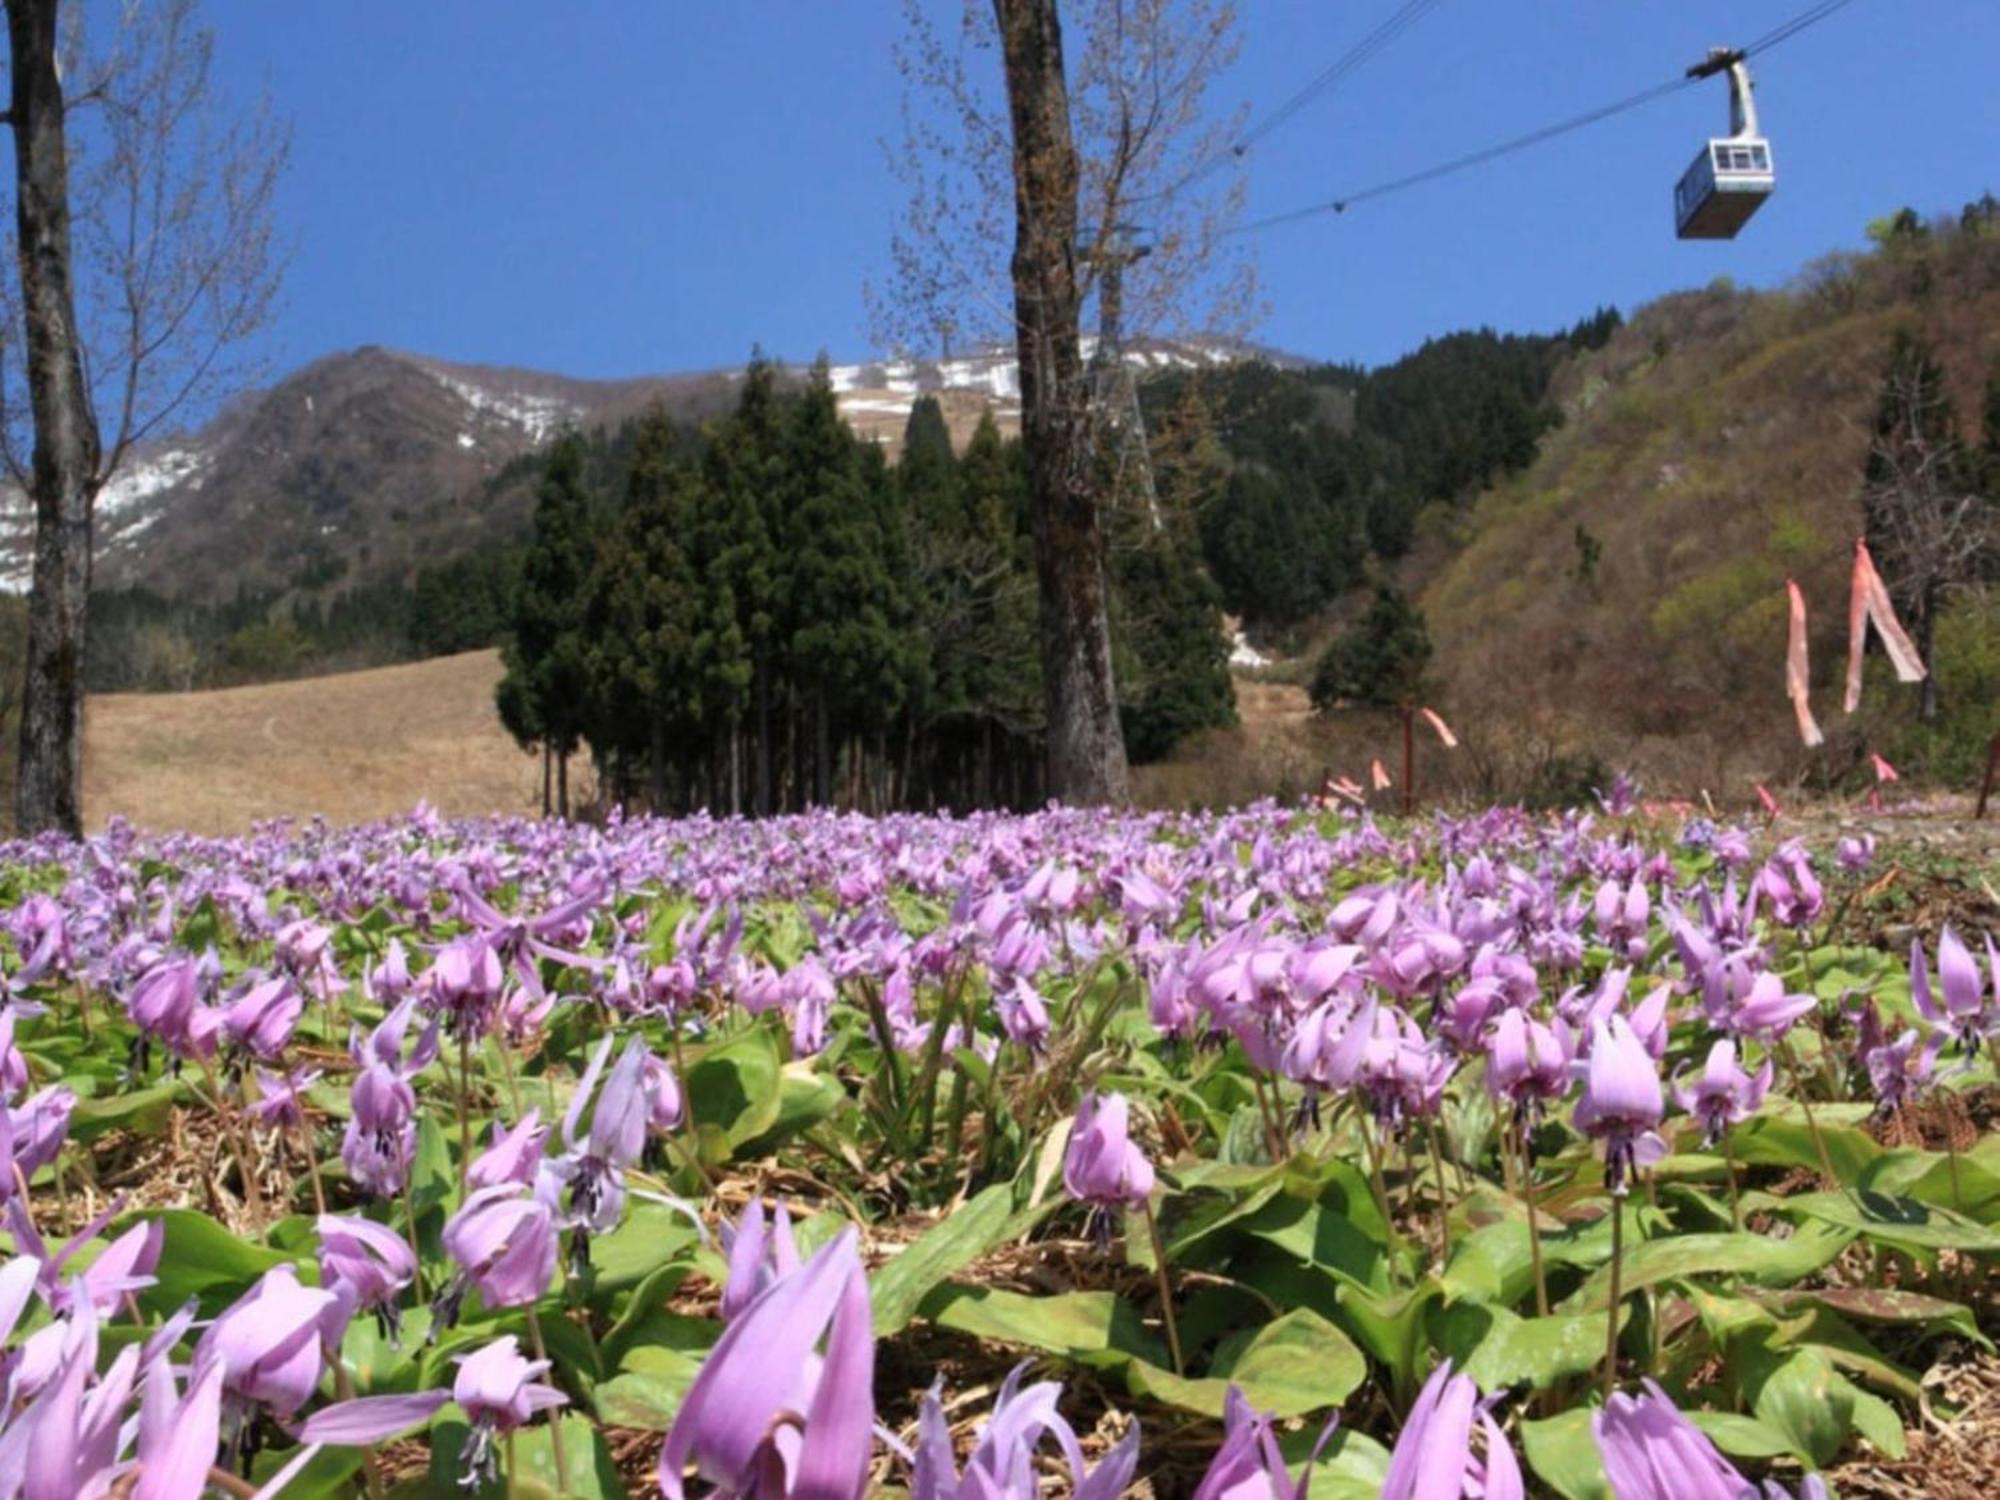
x=1534, y=1228
x=555, y=1414
x=1729, y=1165
x=1617, y=1295
x=1381, y=1187
x=312, y=1167
x=1166, y=1290
x=1812, y=1122
x=464, y=1109
x=1444, y=1205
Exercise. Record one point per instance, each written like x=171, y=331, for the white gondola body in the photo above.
x=1731, y=177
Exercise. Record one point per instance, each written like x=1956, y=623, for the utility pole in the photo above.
x=1120, y=423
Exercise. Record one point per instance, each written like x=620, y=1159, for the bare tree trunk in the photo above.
x=657, y=764
x=562, y=786
x=548, y=776
x=1926, y=644
x=822, y=753
x=48, y=792
x=1086, y=747
x=762, y=747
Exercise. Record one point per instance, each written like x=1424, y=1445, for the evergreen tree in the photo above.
x=645, y=616
x=845, y=663
x=1380, y=662
x=547, y=652
x=735, y=559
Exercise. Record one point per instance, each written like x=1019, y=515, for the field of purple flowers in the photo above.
x=980, y=1157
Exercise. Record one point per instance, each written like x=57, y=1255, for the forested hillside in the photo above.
x=761, y=613
x=1621, y=599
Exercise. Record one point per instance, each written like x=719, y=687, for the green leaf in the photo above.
x=1798, y=1394
x=1351, y=1467
x=1296, y=1364
x=1904, y=1223
x=1778, y=1137
x=328, y=1475
x=1740, y=1436
x=1493, y=1264
x=949, y=1246
x=1392, y=1329
x=433, y=1178
x=1078, y=1325
x=1874, y=1304
x=143, y=1111
x=1322, y=1236
x=1564, y=1456
x=662, y=1364
x=805, y=1097
x=1498, y=1348
x=735, y=1087
x=1753, y=1257
x=201, y=1259
x=652, y=1236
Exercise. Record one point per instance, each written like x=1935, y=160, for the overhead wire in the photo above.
x=1781, y=33
x=1330, y=77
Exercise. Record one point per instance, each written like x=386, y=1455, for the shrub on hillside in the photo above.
x=1380, y=661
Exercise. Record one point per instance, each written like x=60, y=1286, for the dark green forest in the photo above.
x=762, y=612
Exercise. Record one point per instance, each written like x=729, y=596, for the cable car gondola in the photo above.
x=1733, y=175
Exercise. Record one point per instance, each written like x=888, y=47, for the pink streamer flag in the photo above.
x=1797, y=678
x=1379, y=776
x=1443, y=729
x=1883, y=770
x=1868, y=603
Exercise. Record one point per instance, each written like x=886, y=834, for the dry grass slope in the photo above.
x=1711, y=450
x=354, y=747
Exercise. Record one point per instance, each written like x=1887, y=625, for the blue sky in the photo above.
x=619, y=186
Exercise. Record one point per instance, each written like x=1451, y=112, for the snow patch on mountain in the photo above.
x=540, y=417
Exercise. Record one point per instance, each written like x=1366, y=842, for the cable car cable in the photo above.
x=1809, y=17
x=1342, y=67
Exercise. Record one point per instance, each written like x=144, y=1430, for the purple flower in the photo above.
x=261, y=1022
x=1787, y=882
x=594, y=1166
x=756, y=1259
x=1964, y=1012
x=13, y=1066
x=665, y=1105
x=1002, y=1465
x=515, y=1155
x=1434, y=1459
x=32, y=1135
x=1248, y=1465
x=1652, y=1452
x=497, y=1389
x=1102, y=1166
x=504, y=1241
x=1855, y=855
x=365, y=1265
x=280, y=1103
x=767, y=1416
x=381, y=1135
x=1765, y=1010
x=177, y=1433
x=268, y=1341
x=1621, y=1101
x=1528, y=1063
x=1725, y=1095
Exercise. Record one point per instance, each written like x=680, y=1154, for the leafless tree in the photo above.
x=146, y=257
x=1123, y=153
x=1929, y=526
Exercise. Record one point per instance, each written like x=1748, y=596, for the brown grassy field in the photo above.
x=356, y=746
